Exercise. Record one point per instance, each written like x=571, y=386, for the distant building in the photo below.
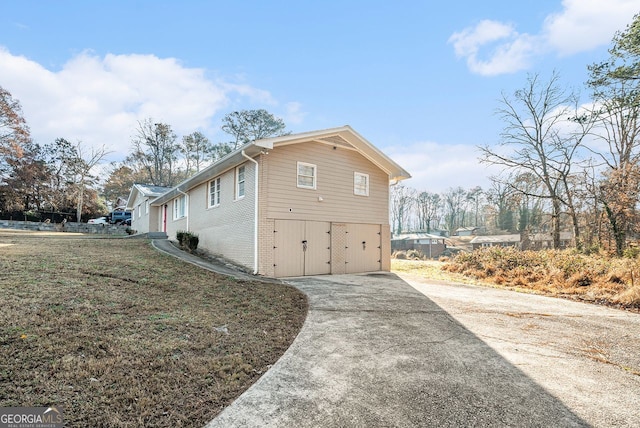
x=542, y=241
x=537, y=241
x=430, y=245
x=496, y=241
x=466, y=231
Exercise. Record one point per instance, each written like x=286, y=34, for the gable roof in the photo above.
x=148, y=190
x=344, y=136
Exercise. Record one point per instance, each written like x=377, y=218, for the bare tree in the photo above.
x=541, y=137
x=428, y=208
x=195, y=149
x=155, y=150
x=454, y=205
x=500, y=198
x=13, y=127
x=475, y=196
x=401, y=202
x=87, y=159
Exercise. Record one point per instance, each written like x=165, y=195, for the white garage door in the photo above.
x=302, y=248
x=363, y=252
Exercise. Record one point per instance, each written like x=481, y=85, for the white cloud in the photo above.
x=492, y=47
x=293, y=113
x=436, y=167
x=99, y=100
x=583, y=25
x=509, y=50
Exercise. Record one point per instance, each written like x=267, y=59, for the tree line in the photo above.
x=565, y=165
x=159, y=158
x=58, y=180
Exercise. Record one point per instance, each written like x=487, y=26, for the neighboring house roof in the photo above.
x=536, y=237
x=469, y=229
x=494, y=239
x=416, y=236
x=564, y=236
x=344, y=136
x=146, y=190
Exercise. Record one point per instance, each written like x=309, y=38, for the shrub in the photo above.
x=193, y=242
x=188, y=241
x=400, y=255
x=631, y=252
x=414, y=255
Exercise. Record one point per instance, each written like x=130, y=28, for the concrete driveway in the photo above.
x=376, y=352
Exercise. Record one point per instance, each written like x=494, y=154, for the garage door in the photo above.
x=363, y=251
x=302, y=248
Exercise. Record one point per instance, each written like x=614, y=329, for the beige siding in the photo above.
x=174, y=226
x=228, y=228
x=153, y=220
x=283, y=203
x=335, y=171
x=139, y=223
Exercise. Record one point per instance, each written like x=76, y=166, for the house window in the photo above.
x=139, y=205
x=240, y=182
x=214, y=192
x=306, y=175
x=360, y=184
x=180, y=207
x=146, y=206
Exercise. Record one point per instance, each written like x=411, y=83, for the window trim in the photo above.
x=238, y=182
x=314, y=176
x=355, y=184
x=214, y=199
x=176, y=213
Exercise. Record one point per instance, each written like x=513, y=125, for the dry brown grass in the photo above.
x=122, y=335
x=596, y=278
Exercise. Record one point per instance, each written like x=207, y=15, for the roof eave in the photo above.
x=229, y=161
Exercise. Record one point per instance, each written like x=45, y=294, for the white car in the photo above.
x=99, y=220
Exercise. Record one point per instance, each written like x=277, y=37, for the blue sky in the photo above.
x=419, y=79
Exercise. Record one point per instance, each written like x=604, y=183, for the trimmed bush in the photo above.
x=188, y=241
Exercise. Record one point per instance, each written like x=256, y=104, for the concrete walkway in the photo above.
x=374, y=352
x=167, y=247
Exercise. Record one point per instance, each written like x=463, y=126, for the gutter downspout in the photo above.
x=186, y=195
x=255, y=220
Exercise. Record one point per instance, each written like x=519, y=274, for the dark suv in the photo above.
x=120, y=217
